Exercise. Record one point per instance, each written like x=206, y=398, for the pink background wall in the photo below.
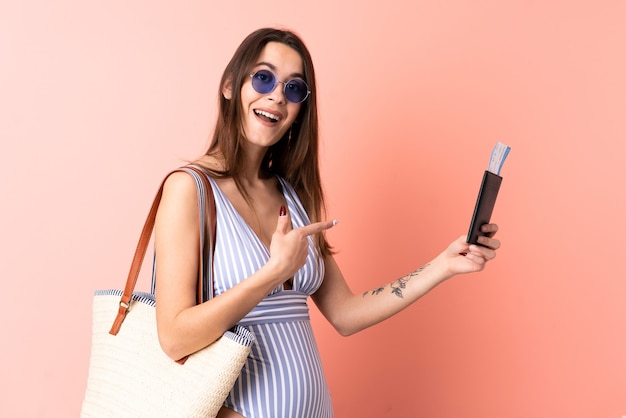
x=98, y=100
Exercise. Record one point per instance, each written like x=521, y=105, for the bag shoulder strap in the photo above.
x=206, y=207
x=208, y=230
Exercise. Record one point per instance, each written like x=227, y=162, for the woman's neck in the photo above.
x=251, y=170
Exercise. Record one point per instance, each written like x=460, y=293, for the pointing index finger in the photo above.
x=318, y=227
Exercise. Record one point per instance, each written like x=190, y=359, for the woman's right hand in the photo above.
x=289, y=246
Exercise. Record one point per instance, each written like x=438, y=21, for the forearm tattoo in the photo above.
x=396, y=286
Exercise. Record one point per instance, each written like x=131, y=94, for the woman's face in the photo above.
x=266, y=117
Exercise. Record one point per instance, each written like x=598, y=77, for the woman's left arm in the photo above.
x=350, y=313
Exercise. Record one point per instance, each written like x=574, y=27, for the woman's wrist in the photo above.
x=441, y=268
x=273, y=273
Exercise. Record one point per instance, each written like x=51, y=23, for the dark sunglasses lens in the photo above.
x=263, y=81
x=296, y=91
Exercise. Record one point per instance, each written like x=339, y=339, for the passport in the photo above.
x=488, y=192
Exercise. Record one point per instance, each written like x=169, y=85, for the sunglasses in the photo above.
x=295, y=90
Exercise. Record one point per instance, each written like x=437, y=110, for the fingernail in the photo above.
x=283, y=210
x=335, y=222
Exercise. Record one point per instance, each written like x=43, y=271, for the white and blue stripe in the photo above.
x=283, y=377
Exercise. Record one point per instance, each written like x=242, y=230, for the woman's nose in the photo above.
x=278, y=94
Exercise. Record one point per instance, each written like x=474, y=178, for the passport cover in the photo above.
x=484, y=205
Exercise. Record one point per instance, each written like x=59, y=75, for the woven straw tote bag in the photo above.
x=129, y=374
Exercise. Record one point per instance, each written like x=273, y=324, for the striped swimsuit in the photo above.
x=283, y=376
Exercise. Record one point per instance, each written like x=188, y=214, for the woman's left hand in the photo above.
x=462, y=257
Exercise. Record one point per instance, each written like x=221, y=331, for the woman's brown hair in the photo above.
x=295, y=156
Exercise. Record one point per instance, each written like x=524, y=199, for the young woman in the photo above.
x=271, y=253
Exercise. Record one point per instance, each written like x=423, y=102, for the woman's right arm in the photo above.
x=183, y=326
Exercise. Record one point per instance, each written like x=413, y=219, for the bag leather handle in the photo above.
x=205, y=279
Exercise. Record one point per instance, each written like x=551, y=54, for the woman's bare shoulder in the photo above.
x=178, y=207
x=179, y=185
